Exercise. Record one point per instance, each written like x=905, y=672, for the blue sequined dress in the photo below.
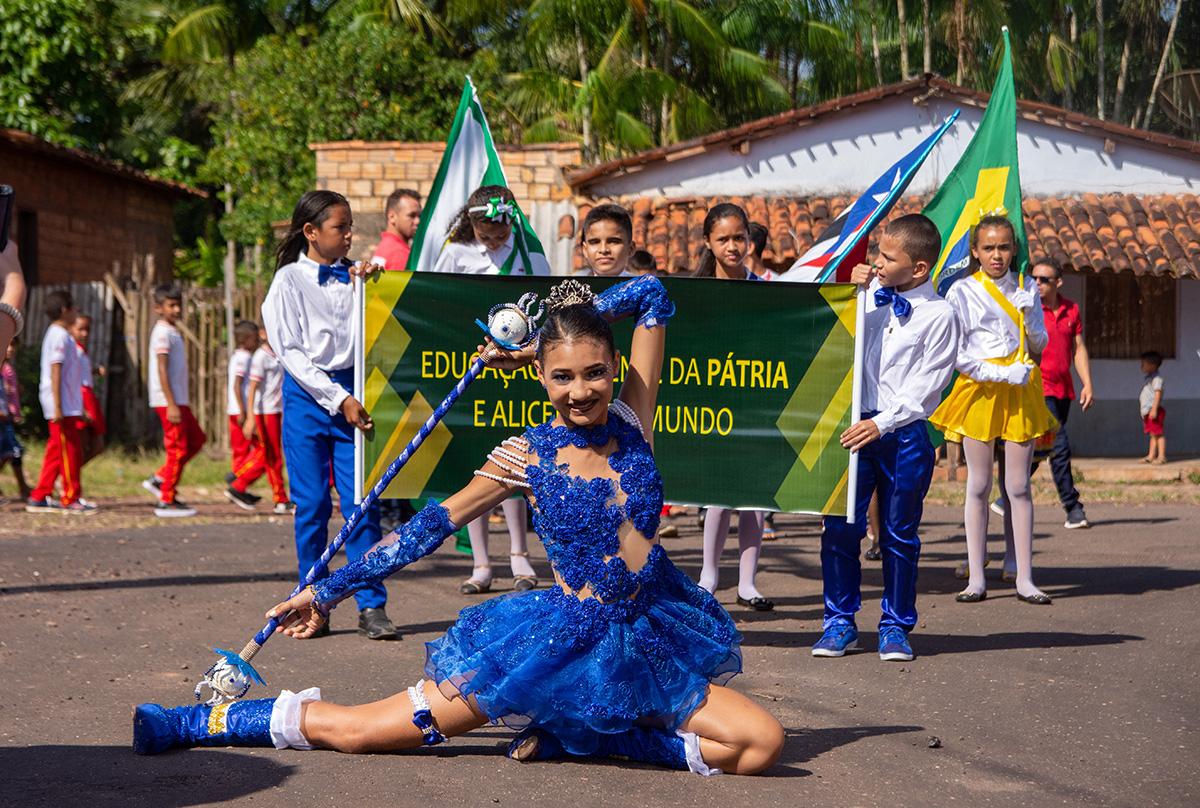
x=608, y=647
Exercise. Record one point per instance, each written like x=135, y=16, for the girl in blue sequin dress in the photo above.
x=624, y=656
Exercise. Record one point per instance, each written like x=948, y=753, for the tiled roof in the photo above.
x=919, y=87
x=1158, y=235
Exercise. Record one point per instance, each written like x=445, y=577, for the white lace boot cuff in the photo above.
x=285, y=718
x=691, y=749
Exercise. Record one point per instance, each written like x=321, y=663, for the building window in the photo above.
x=1129, y=314
x=27, y=243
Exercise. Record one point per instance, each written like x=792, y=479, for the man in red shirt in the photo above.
x=1064, y=349
x=403, y=218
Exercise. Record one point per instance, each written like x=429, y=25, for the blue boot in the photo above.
x=242, y=723
x=535, y=744
x=645, y=745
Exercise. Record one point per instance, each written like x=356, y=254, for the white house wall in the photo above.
x=844, y=153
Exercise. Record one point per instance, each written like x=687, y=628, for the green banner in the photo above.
x=756, y=387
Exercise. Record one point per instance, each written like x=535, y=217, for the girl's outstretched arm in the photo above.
x=646, y=299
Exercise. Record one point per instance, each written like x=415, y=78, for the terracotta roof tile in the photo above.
x=1157, y=235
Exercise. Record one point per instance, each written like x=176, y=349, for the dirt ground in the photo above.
x=1092, y=701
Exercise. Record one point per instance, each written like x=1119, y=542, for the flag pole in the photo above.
x=860, y=319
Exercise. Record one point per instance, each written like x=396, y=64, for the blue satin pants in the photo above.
x=899, y=467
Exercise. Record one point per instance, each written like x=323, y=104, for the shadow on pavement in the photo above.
x=934, y=644
x=803, y=745
x=100, y=776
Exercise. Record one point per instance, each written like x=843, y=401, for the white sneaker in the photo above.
x=154, y=486
x=998, y=506
x=173, y=510
x=284, y=508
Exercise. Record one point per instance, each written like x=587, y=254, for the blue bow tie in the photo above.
x=900, y=306
x=338, y=272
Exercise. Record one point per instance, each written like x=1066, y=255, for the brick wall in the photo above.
x=86, y=218
x=365, y=173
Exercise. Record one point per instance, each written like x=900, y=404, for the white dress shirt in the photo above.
x=908, y=361
x=311, y=328
x=987, y=331
x=239, y=381
x=472, y=258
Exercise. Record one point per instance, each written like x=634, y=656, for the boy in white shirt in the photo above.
x=606, y=241
x=246, y=455
x=60, y=390
x=911, y=345
x=265, y=397
x=182, y=435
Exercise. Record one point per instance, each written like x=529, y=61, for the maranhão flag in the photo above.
x=843, y=244
x=984, y=182
x=469, y=161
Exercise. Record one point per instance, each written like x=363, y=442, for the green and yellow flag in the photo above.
x=986, y=181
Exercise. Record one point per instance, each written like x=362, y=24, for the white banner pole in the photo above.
x=860, y=317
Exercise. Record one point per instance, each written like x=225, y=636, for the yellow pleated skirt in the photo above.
x=986, y=411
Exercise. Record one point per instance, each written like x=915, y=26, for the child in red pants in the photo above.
x=182, y=435
x=96, y=427
x=246, y=453
x=60, y=392
x=265, y=396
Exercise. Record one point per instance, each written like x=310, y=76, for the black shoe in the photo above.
x=967, y=596
x=759, y=604
x=375, y=625
x=1076, y=518
x=240, y=498
x=872, y=553
x=1037, y=599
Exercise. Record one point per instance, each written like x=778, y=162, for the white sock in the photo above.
x=285, y=718
x=518, y=559
x=716, y=529
x=691, y=750
x=750, y=530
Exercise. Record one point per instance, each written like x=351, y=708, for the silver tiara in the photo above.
x=569, y=293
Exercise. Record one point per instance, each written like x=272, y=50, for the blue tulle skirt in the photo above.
x=577, y=668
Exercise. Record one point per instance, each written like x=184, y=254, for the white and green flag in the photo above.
x=470, y=160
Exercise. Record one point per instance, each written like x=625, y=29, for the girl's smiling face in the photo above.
x=729, y=241
x=578, y=377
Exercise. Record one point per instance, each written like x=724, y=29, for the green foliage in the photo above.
x=54, y=69
x=375, y=82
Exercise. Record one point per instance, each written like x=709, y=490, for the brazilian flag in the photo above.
x=986, y=181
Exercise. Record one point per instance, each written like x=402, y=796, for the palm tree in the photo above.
x=927, y=37
x=1140, y=18
x=1162, y=65
x=903, y=41
x=1100, y=59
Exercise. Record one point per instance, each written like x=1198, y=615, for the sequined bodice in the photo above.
x=579, y=520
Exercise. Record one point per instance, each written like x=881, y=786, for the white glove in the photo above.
x=1023, y=300
x=1017, y=374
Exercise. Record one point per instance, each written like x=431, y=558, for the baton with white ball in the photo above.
x=511, y=326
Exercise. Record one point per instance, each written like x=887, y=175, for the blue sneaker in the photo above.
x=893, y=645
x=836, y=641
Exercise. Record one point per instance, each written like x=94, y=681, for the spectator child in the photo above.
x=95, y=426
x=182, y=435
x=641, y=262
x=60, y=390
x=11, y=450
x=758, y=243
x=726, y=238
x=606, y=241
x=308, y=314
x=265, y=399
x=1154, y=414
x=246, y=454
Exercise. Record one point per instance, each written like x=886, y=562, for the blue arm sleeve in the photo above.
x=422, y=534
x=644, y=298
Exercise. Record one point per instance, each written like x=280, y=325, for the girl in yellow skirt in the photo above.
x=998, y=395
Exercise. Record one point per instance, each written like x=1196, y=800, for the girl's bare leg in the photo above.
x=736, y=735
x=385, y=726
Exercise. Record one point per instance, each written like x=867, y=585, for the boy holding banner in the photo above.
x=911, y=341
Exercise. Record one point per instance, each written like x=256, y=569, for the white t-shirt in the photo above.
x=166, y=339
x=60, y=348
x=239, y=367
x=85, y=365
x=473, y=258
x=266, y=369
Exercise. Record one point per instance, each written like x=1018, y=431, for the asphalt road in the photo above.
x=1092, y=701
